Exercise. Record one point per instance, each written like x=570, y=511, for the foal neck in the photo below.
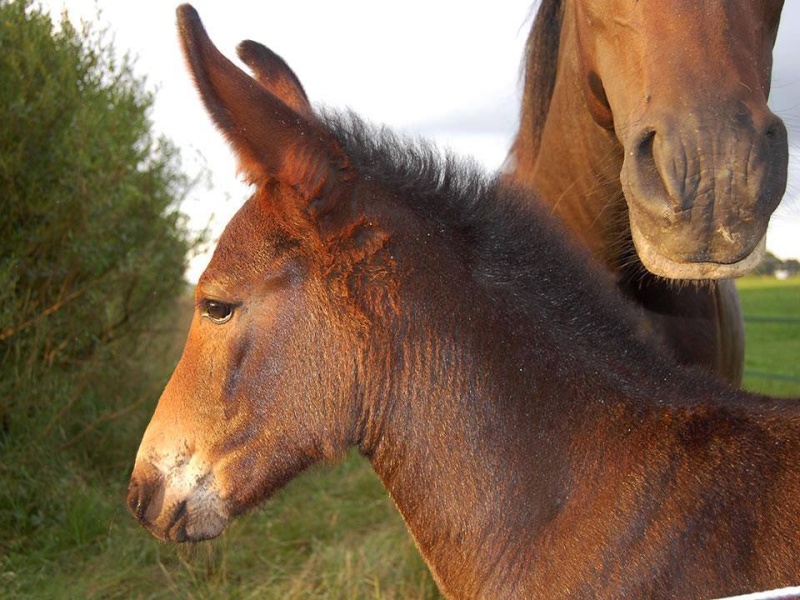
x=461, y=454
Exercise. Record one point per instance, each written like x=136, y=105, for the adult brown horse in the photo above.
x=645, y=127
x=370, y=293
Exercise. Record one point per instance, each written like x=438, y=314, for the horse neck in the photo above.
x=503, y=467
x=456, y=448
x=572, y=163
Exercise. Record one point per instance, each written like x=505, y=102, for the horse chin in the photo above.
x=663, y=266
x=187, y=523
x=173, y=511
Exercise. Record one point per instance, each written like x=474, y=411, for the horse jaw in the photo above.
x=659, y=264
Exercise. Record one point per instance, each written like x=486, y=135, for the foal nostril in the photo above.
x=134, y=500
x=145, y=496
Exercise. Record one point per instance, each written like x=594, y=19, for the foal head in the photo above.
x=273, y=352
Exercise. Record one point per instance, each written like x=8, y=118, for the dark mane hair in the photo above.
x=411, y=165
x=513, y=247
x=540, y=67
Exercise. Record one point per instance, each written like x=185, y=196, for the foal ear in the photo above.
x=274, y=74
x=269, y=125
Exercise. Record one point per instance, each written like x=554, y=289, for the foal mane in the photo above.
x=516, y=252
x=413, y=167
x=451, y=191
x=540, y=67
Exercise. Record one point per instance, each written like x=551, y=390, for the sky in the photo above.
x=445, y=69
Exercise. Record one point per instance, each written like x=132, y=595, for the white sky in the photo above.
x=446, y=69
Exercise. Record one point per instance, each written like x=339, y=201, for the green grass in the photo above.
x=772, y=330
x=332, y=533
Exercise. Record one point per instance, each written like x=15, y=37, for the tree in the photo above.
x=768, y=265
x=92, y=254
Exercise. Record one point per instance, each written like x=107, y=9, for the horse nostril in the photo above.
x=134, y=500
x=774, y=130
x=143, y=492
x=776, y=133
x=642, y=178
x=645, y=147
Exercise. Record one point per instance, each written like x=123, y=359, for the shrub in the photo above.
x=92, y=255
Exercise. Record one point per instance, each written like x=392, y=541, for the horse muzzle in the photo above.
x=699, y=198
x=182, y=505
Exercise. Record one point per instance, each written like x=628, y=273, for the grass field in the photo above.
x=772, y=330
x=333, y=533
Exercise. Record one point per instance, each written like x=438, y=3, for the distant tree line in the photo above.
x=772, y=265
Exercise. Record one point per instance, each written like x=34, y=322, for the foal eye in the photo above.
x=218, y=312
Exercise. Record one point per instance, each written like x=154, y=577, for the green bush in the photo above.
x=92, y=255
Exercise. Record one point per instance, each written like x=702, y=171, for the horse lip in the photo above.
x=176, y=529
x=174, y=512
x=188, y=522
x=661, y=265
